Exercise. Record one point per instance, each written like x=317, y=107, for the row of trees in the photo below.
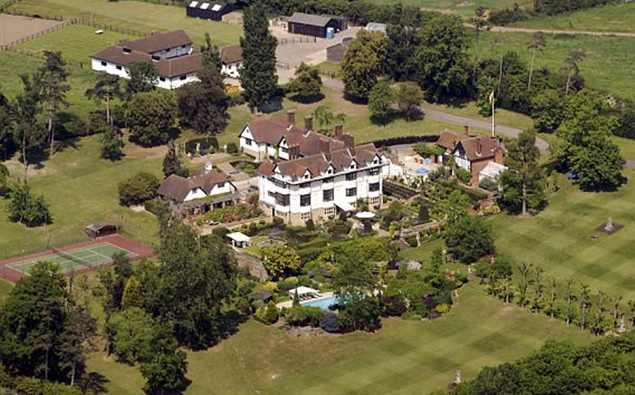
x=564, y=300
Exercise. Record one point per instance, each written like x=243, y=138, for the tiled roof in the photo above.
x=449, y=138
x=177, y=188
x=475, y=147
x=168, y=68
x=231, y=54
x=158, y=41
x=319, y=163
x=271, y=130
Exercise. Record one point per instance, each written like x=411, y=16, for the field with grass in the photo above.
x=605, y=65
x=139, y=16
x=404, y=357
x=609, y=18
x=81, y=189
x=461, y=7
x=558, y=239
x=77, y=43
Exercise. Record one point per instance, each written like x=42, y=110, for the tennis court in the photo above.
x=82, y=258
x=78, y=257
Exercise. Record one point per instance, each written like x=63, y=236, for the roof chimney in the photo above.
x=349, y=140
x=339, y=131
x=479, y=146
x=308, y=123
x=291, y=117
x=209, y=166
x=466, y=129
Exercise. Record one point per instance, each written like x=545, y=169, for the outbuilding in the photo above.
x=208, y=10
x=100, y=229
x=239, y=240
x=312, y=25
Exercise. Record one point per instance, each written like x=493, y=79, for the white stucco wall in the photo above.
x=195, y=193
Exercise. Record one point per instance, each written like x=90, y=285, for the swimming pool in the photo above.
x=321, y=303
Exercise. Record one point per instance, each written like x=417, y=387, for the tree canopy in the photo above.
x=150, y=117
x=363, y=63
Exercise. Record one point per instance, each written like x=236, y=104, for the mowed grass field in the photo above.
x=609, y=18
x=139, y=16
x=558, y=239
x=607, y=64
x=81, y=188
x=404, y=357
x=461, y=7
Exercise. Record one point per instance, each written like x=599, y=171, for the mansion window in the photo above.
x=373, y=187
x=183, y=77
x=327, y=195
x=118, y=67
x=305, y=200
x=327, y=180
x=104, y=63
x=329, y=211
x=305, y=216
x=373, y=172
x=271, y=194
x=162, y=79
x=284, y=150
x=282, y=200
x=305, y=185
x=351, y=191
x=248, y=141
x=280, y=184
x=351, y=176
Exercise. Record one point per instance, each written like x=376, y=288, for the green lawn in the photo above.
x=5, y=289
x=81, y=188
x=605, y=65
x=404, y=357
x=139, y=16
x=77, y=43
x=558, y=241
x=609, y=18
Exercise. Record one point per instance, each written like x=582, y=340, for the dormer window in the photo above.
x=329, y=171
x=375, y=161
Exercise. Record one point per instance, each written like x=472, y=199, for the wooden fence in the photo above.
x=36, y=35
x=296, y=40
x=66, y=22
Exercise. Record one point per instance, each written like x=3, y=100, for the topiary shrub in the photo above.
x=330, y=322
x=232, y=148
x=271, y=313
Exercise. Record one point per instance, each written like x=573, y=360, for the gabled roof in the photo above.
x=479, y=147
x=449, y=138
x=270, y=130
x=177, y=188
x=319, y=163
x=158, y=41
x=309, y=19
x=168, y=68
x=231, y=54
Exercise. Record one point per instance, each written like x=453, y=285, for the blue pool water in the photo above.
x=422, y=170
x=321, y=303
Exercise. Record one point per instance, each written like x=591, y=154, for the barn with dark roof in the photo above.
x=314, y=25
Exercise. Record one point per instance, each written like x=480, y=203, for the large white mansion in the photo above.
x=306, y=175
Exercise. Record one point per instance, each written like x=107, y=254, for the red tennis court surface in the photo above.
x=77, y=258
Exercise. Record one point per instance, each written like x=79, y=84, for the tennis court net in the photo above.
x=72, y=257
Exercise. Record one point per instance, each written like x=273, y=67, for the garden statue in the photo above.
x=457, y=380
x=609, y=225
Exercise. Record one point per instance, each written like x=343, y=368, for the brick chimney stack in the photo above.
x=349, y=140
x=308, y=123
x=479, y=146
x=290, y=117
x=339, y=131
x=466, y=129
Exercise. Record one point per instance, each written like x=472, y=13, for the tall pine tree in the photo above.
x=258, y=75
x=523, y=184
x=53, y=87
